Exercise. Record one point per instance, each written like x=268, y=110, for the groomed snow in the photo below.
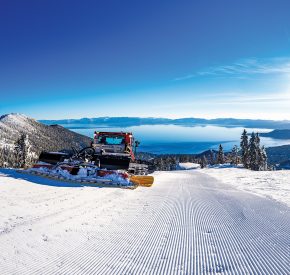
x=186, y=223
x=271, y=184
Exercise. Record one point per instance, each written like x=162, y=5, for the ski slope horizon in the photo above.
x=187, y=223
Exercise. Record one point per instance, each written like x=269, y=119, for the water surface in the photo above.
x=174, y=139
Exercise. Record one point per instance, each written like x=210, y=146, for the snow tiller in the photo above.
x=110, y=160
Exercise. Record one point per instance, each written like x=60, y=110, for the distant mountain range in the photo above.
x=136, y=121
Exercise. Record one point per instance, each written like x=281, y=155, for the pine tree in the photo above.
x=263, y=159
x=7, y=156
x=30, y=156
x=254, y=152
x=161, y=164
x=235, y=155
x=259, y=161
x=203, y=162
x=257, y=154
x=20, y=152
x=1, y=157
x=245, y=148
x=186, y=158
x=221, y=156
x=212, y=158
x=257, y=139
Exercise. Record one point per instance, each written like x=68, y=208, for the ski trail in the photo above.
x=186, y=223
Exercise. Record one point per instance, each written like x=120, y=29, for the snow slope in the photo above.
x=187, y=223
x=271, y=184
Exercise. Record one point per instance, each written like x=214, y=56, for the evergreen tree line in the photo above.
x=251, y=154
x=18, y=155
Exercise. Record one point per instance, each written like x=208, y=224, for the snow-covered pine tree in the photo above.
x=19, y=152
x=1, y=157
x=258, y=140
x=262, y=155
x=7, y=158
x=259, y=153
x=263, y=159
x=30, y=156
x=161, y=164
x=174, y=164
x=221, y=156
x=203, y=162
x=235, y=155
x=245, y=148
x=211, y=158
x=254, y=152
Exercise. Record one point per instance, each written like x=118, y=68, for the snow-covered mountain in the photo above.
x=42, y=137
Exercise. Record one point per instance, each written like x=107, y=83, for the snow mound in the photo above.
x=188, y=165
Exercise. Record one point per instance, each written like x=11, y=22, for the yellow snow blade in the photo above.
x=145, y=181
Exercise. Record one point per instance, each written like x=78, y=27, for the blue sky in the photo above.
x=206, y=58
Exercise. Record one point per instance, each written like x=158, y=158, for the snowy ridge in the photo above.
x=13, y=121
x=12, y=124
x=187, y=223
x=40, y=136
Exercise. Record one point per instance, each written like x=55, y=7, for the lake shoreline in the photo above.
x=177, y=139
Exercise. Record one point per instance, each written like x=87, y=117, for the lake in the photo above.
x=174, y=139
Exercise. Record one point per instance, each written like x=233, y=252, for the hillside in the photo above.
x=279, y=154
x=278, y=134
x=41, y=137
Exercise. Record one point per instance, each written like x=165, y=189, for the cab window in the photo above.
x=111, y=140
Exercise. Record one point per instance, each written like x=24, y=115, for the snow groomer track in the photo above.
x=186, y=223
